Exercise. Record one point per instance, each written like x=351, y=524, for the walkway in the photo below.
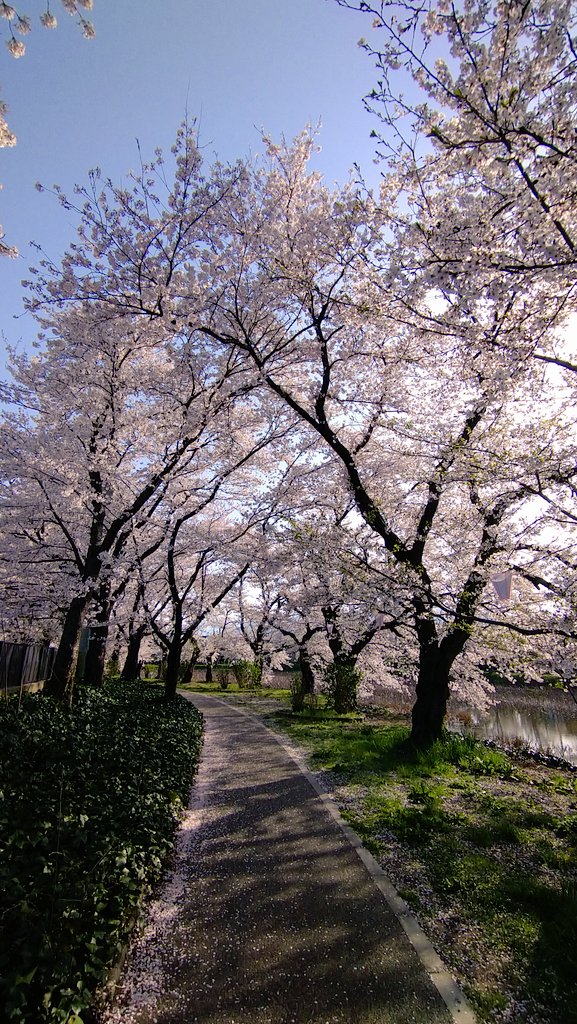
x=277, y=920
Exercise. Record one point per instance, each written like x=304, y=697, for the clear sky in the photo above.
x=236, y=65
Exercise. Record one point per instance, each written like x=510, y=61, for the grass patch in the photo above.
x=353, y=746
x=265, y=692
x=91, y=796
x=482, y=845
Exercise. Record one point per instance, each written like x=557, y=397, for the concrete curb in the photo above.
x=454, y=999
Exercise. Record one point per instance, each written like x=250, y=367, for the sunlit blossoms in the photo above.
x=267, y=354
x=293, y=421
x=16, y=47
x=21, y=24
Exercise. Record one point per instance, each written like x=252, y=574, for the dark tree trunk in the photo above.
x=189, y=666
x=307, y=675
x=258, y=670
x=342, y=674
x=186, y=676
x=96, y=653
x=60, y=684
x=430, y=708
x=172, y=668
x=433, y=687
x=208, y=676
x=130, y=669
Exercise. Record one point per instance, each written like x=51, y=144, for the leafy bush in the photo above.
x=248, y=674
x=91, y=798
x=222, y=676
x=342, y=682
x=298, y=692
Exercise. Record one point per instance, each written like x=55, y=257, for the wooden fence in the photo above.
x=22, y=665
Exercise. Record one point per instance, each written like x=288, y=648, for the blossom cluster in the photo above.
x=21, y=24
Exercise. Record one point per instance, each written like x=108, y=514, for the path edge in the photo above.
x=454, y=999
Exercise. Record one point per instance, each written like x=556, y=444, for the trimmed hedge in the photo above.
x=90, y=797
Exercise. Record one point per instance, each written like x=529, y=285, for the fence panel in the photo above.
x=24, y=663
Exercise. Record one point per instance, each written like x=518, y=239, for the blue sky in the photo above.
x=236, y=65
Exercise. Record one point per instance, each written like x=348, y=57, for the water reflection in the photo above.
x=545, y=731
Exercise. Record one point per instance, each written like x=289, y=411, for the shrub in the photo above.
x=342, y=681
x=222, y=676
x=297, y=692
x=248, y=674
x=91, y=798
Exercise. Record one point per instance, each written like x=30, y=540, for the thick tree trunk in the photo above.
x=61, y=681
x=96, y=655
x=130, y=669
x=172, y=668
x=307, y=675
x=189, y=666
x=342, y=674
x=208, y=676
x=258, y=671
x=430, y=708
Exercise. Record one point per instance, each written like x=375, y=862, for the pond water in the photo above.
x=546, y=731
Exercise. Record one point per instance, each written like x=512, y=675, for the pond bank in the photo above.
x=540, y=720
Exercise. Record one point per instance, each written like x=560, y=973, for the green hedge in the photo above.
x=90, y=797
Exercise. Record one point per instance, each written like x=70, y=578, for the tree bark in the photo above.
x=60, y=684
x=172, y=668
x=307, y=675
x=186, y=677
x=131, y=662
x=208, y=676
x=430, y=708
x=342, y=674
x=433, y=689
x=96, y=653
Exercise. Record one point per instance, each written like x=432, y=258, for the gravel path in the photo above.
x=268, y=916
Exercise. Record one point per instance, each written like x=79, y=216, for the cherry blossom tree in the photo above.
x=333, y=603
x=211, y=514
x=252, y=638
x=476, y=104
x=102, y=422
x=34, y=588
x=176, y=612
x=133, y=630
x=20, y=24
x=410, y=403
x=435, y=423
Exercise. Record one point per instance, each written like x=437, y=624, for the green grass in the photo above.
x=233, y=688
x=355, y=747
x=490, y=849
x=91, y=796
